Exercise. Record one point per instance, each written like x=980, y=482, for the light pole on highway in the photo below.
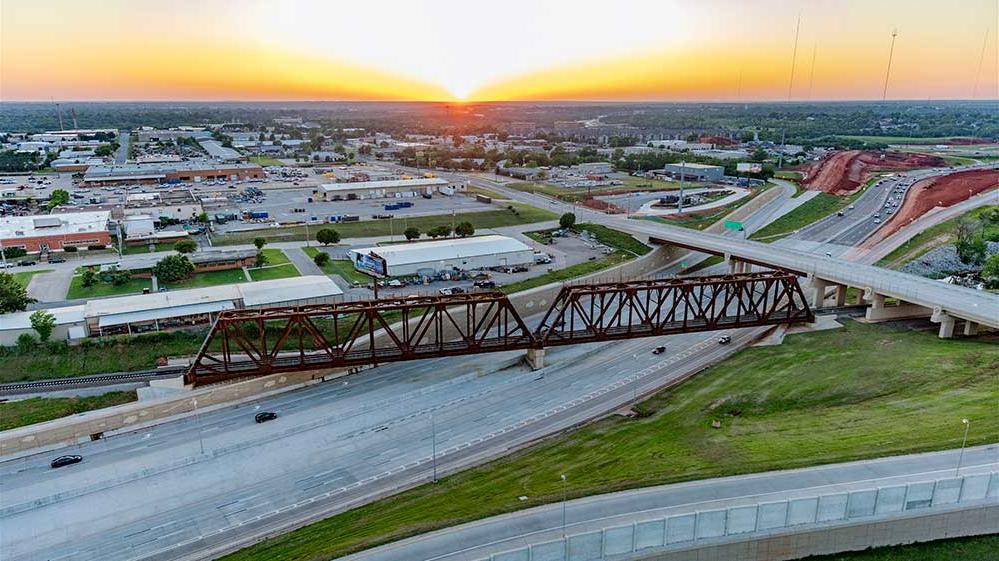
x=433, y=441
x=563, y=504
x=197, y=421
x=960, y=458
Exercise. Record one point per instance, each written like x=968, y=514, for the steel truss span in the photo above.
x=255, y=342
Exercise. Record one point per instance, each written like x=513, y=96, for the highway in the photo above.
x=479, y=539
x=153, y=493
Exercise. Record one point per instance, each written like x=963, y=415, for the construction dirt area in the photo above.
x=942, y=192
x=844, y=172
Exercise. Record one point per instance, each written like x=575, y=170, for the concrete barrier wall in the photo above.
x=72, y=429
x=676, y=537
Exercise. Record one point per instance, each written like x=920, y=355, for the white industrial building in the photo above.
x=401, y=188
x=171, y=309
x=427, y=258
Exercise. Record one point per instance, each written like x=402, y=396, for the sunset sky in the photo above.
x=483, y=51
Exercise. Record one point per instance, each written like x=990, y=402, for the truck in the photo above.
x=483, y=199
x=258, y=214
x=541, y=258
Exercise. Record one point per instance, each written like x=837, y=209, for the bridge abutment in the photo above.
x=535, y=358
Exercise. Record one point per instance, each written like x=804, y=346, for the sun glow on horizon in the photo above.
x=455, y=51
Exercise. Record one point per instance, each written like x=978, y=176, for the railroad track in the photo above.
x=89, y=381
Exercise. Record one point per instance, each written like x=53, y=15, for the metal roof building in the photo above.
x=481, y=252
x=379, y=189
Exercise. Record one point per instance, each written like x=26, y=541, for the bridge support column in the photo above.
x=970, y=328
x=841, y=295
x=878, y=311
x=536, y=358
x=818, y=292
x=946, y=326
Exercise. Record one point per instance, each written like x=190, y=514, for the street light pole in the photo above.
x=563, y=505
x=197, y=421
x=960, y=458
x=433, y=455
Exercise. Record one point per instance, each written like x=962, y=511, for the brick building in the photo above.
x=55, y=232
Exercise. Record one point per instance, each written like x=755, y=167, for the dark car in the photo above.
x=65, y=461
x=56, y=260
x=265, y=416
x=485, y=284
x=659, y=350
x=26, y=263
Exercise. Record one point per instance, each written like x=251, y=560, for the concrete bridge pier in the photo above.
x=819, y=287
x=535, y=358
x=946, y=322
x=970, y=328
x=840, y=295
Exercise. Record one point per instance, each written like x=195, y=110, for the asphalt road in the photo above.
x=121, y=155
x=479, y=539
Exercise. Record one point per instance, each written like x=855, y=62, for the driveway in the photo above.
x=52, y=286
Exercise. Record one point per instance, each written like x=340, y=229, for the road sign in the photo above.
x=733, y=225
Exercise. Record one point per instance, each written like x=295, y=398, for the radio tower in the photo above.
x=891, y=52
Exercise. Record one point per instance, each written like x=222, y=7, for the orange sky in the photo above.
x=516, y=50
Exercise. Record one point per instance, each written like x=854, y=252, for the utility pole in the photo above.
x=811, y=73
x=794, y=56
x=891, y=53
x=981, y=60
x=433, y=455
x=960, y=458
x=563, y=504
x=683, y=168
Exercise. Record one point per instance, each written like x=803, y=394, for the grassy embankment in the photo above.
x=941, y=234
x=278, y=266
x=15, y=414
x=859, y=392
x=516, y=214
x=817, y=208
x=341, y=267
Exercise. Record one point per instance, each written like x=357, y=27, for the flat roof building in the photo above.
x=54, y=232
x=169, y=172
x=695, y=172
x=427, y=258
x=221, y=153
x=380, y=189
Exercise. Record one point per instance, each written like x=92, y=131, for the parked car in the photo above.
x=265, y=416
x=57, y=259
x=724, y=340
x=26, y=263
x=485, y=284
x=65, y=461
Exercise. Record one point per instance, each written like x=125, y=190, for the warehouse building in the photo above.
x=428, y=258
x=55, y=232
x=70, y=324
x=169, y=172
x=399, y=188
x=695, y=172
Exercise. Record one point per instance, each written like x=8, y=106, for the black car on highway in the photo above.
x=65, y=461
x=265, y=416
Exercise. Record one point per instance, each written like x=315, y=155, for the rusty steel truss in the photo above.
x=254, y=342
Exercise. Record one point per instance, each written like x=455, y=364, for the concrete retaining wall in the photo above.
x=959, y=506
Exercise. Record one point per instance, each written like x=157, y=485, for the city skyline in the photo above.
x=718, y=50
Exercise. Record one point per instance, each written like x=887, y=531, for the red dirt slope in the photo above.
x=937, y=192
x=843, y=172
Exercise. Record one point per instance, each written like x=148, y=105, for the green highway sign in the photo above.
x=733, y=225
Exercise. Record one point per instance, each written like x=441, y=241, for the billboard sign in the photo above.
x=370, y=264
x=748, y=167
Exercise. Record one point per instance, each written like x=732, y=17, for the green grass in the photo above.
x=808, y=212
x=978, y=548
x=521, y=214
x=275, y=272
x=936, y=236
x=571, y=272
x=790, y=175
x=275, y=256
x=15, y=414
x=265, y=161
x=607, y=236
x=341, y=267
x=102, y=289
x=23, y=278
x=144, y=248
x=831, y=396
x=94, y=356
x=576, y=194
x=209, y=278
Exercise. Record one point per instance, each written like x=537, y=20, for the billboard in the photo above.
x=748, y=167
x=370, y=264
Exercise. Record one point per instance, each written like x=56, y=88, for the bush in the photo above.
x=567, y=220
x=25, y=342
x=96, y=247
x=321, y=259
x=185, y=246
x=327, y=236
x=70, y=249
x=411, y=233
x=13, y=252
x=464, y=229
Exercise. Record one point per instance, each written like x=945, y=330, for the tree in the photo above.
x=43, y=323
x=328, y=236
x=464, y=229
x=25, y=342
x=203, y=217
x=441, y=231
x=173, y=268
x=119, y=276
x=260, y=243
x=185, y=246
x=412, y=233
x=58, y=197
x=567, y=220
x=970, y=243
x=321, y=259
x=990, y=273
x=89, y=277
x=261, y=259
x=13, y=296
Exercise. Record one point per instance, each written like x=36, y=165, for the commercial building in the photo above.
x=170, y=172
x=54, y=232
x=203, y=261
x=428, y=258
x=172, y=309
x=695, y=172
x=399, y=188
x=221, y=153
x=175, y=204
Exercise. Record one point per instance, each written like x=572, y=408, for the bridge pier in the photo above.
x=818, y=292
x=841, y=295
x=878, y=311
x=946, y=326
x=535, y=358
x=970, y=328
